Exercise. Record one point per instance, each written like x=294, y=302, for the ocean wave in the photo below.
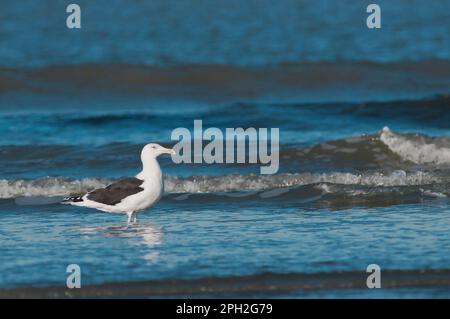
x=237, y=182
x=417, y=148
x=385, y=151
x=59, y=186
x=49, y=186
x=380, y=160
x=317, y=81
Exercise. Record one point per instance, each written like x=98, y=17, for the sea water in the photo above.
x=364, y=148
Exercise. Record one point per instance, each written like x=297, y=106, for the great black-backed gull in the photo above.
x=132, y=194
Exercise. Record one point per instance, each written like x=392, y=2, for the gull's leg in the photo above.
x=135, y=217
x=129, y=214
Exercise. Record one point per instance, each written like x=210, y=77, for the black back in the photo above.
x=115, y=192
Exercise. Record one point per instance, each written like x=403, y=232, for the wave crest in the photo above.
x=417, y=148
x=59, y=186
x=49, y=186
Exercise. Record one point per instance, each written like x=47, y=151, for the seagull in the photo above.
x=131, y=194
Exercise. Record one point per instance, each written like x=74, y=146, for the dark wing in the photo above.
x=115, y=192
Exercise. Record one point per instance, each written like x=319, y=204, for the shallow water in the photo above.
x=364, y=150
x=186, y=240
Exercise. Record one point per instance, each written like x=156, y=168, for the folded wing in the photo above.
x=117, y=191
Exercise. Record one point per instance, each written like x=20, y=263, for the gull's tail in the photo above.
x=72, y=199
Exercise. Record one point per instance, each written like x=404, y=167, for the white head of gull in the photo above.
x=129, y=195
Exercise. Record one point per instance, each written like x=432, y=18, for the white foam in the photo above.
x=205, y=184
x=418, y=149
x=208, y=184
x=50, y=186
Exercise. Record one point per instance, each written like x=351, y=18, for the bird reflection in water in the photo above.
x=148, y=235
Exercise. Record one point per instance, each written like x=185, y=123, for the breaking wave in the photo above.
x=386, y=151
x=235, y=182
x=59, y=186
x=388, y=159
x=417, y=148
x=49, y=186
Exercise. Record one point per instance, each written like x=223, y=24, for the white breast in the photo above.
x=153, y=191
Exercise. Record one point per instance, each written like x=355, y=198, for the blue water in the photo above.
x=222, y=32
x=222, y=241
x=77, y=106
